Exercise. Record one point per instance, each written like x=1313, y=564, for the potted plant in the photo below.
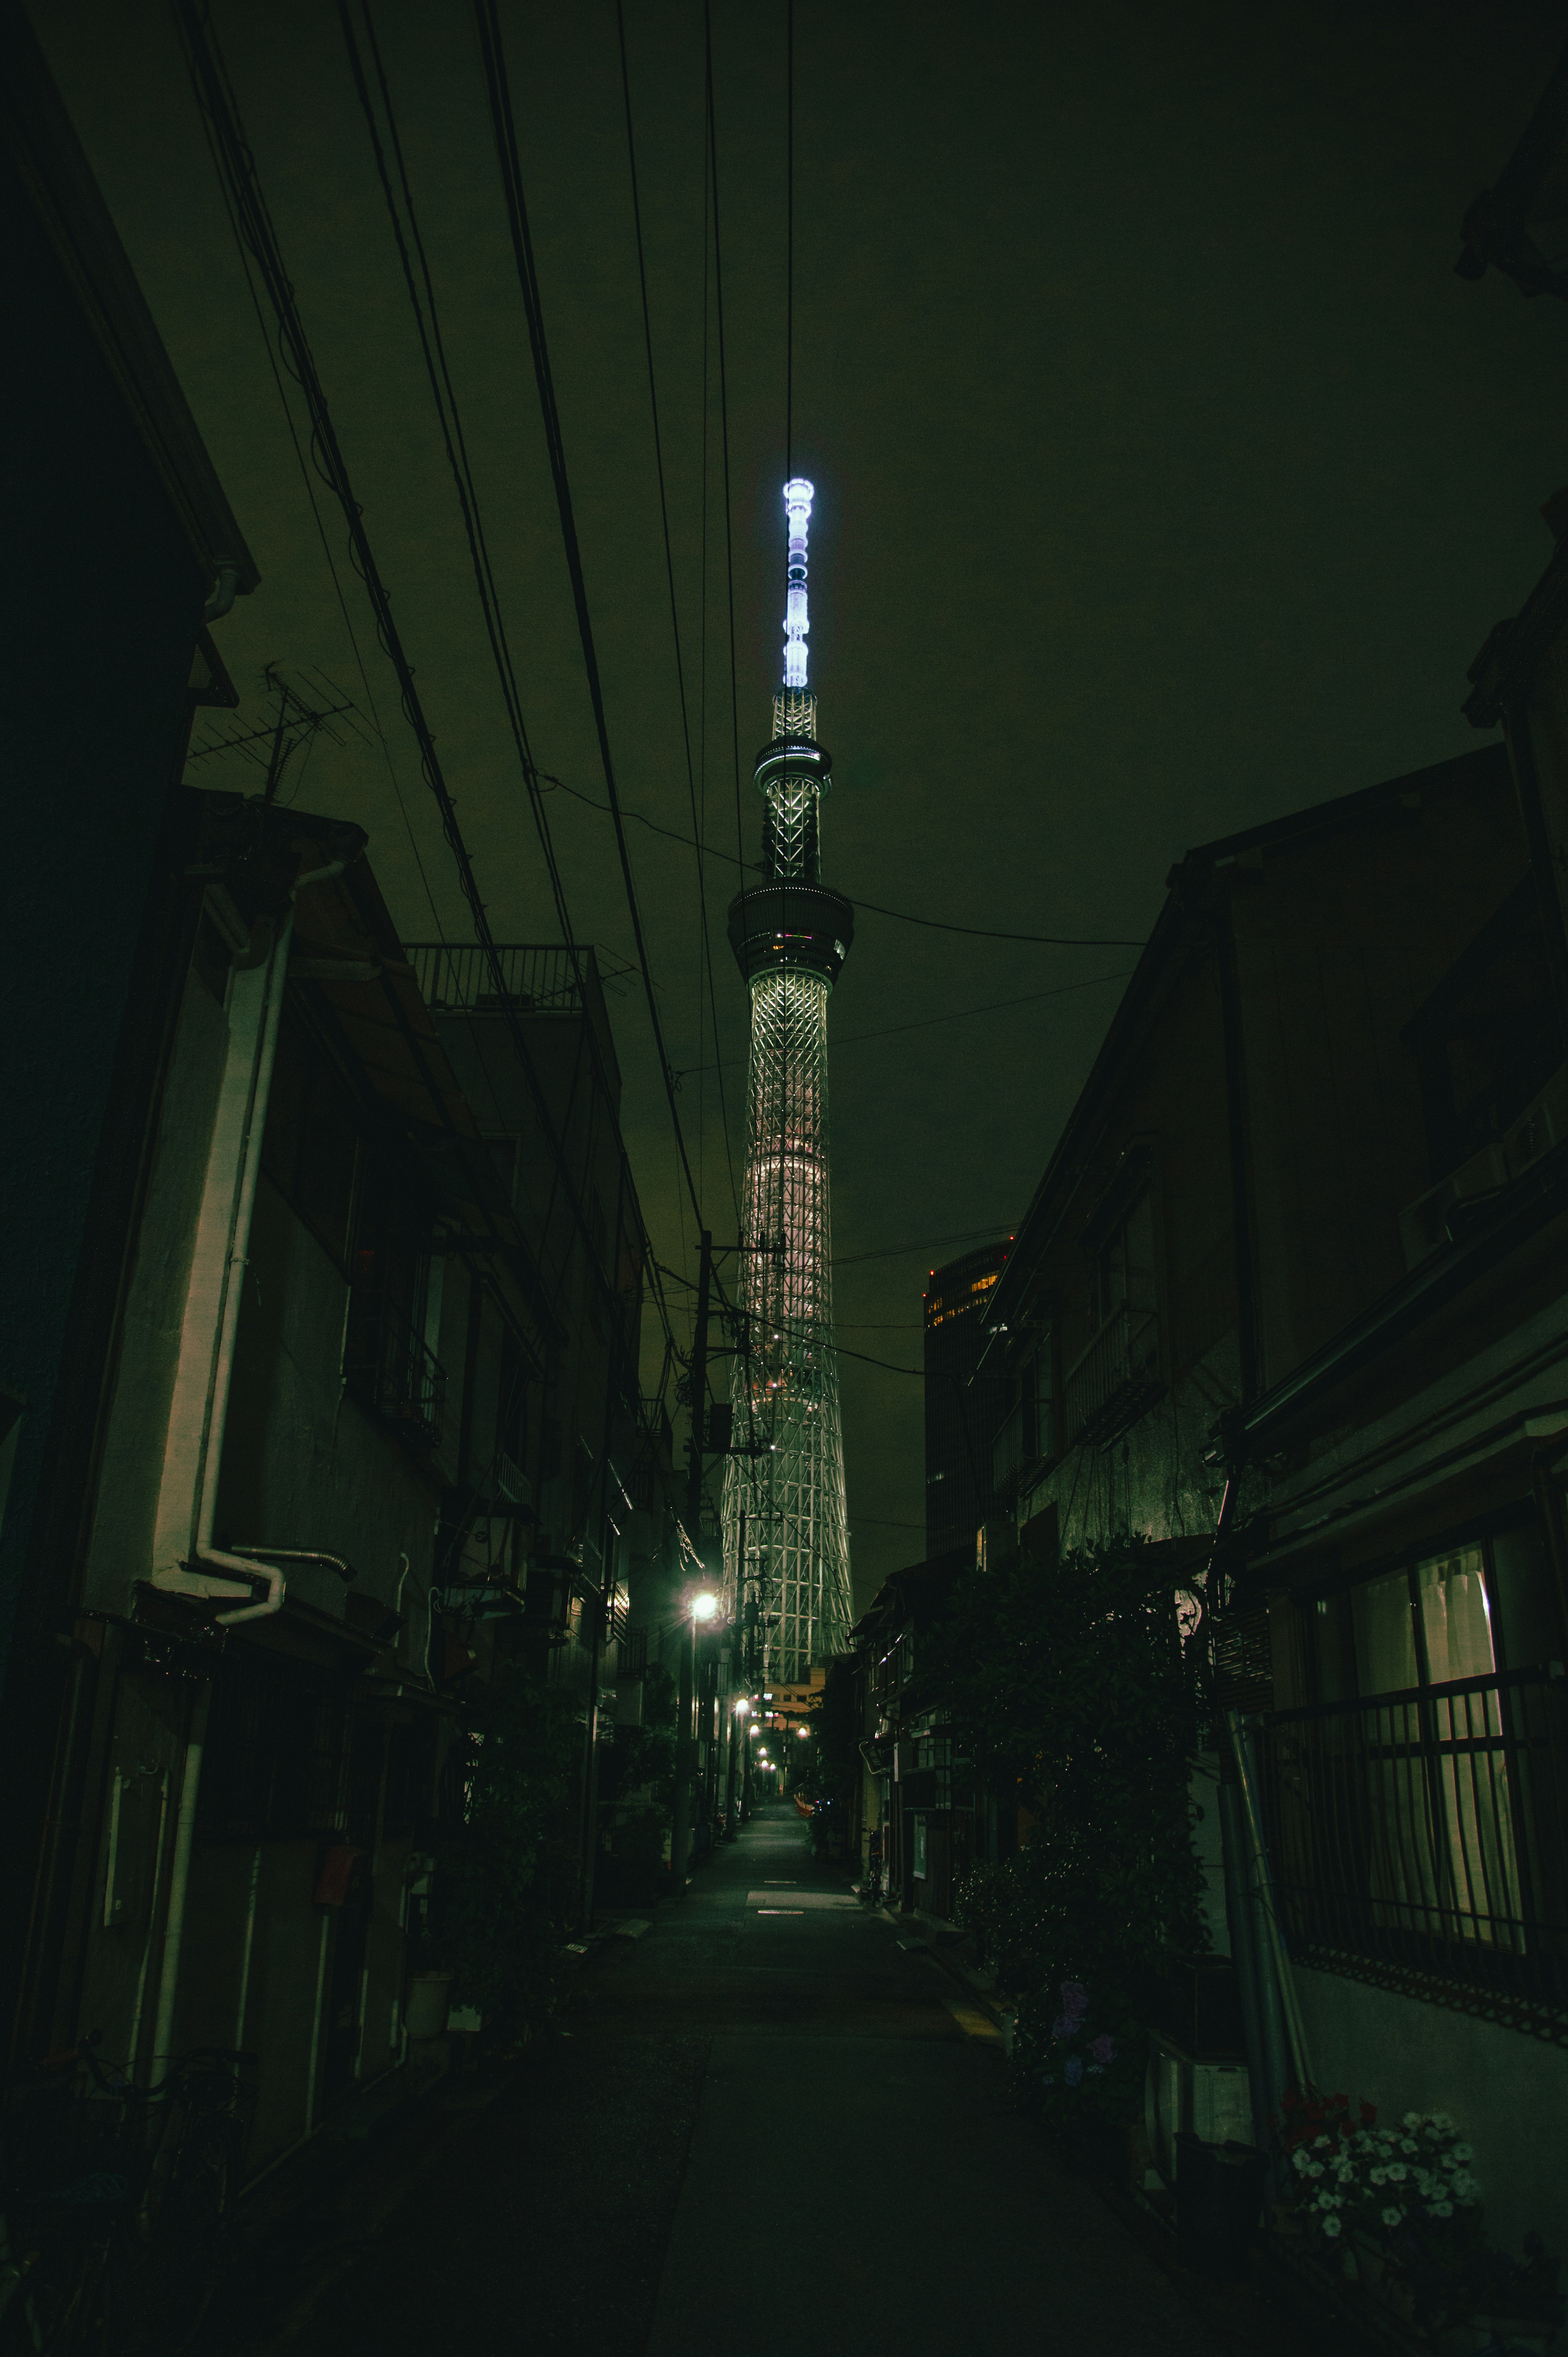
x=1396, y=2210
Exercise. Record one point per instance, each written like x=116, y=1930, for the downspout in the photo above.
x=179, y=1881
x=203, y=1550
x=1277, y=1977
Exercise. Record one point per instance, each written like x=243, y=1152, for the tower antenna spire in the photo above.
x=785, y=1524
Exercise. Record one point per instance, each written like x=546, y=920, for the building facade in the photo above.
x=963, y=1412
x=1293, y=1288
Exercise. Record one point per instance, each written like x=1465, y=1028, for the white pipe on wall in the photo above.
x=179, y=1882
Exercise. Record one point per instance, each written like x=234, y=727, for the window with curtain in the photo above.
x=1439, y=1816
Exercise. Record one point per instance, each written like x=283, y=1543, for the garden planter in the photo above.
x=426, y=2004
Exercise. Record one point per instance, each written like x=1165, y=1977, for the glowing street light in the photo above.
x=705, y=1605
x=804, y=1732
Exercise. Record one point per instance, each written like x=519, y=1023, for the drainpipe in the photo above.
x=1263, y=2024
x=203, y=1550
x=179, y=1882
x=1276, y=1978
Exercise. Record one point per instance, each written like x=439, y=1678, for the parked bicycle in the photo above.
x=113, y=2200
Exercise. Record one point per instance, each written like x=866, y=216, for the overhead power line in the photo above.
x=503, y=125
x=923, y=1243
x=243, y=190
x=707, y=948
x=403, y=217
x=958, y=1014
x=903, y=916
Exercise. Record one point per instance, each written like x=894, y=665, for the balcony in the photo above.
x=390, y=1370
x=1421, y=1840
x=1111, y=1383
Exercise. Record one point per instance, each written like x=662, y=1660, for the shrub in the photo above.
x=1067, y=1684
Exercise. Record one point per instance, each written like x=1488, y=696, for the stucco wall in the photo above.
x=1508, y=2092
x=303, y=1465
x=121, y=1549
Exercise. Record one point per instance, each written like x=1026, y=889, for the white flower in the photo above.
x=1332, y=2226
x=1390, y=2217
x=1299, y=2159
x=1408, y=2144
x=1459, y=2152
x=1441, y=2122
x=1463, y=2187
x=1412, y=2120
x=1379, y=2177
x=1396, y=2172
x=1319, y=2144
x=1441, y=2209
x=1314, y=2169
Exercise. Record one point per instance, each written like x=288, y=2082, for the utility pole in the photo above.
x=685, y=1745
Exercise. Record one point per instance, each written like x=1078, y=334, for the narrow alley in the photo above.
x=771, y=2120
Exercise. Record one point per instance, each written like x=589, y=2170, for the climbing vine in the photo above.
x=1066, y=1683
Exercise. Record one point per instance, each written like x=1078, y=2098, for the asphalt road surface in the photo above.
x=771, y=2129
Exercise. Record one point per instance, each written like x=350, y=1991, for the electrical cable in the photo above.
x=958, y=1014
x=921, y=1243
x=433, y=350
x=902, y=916
x=707, y=952
x=503, y=124
x=238, y=170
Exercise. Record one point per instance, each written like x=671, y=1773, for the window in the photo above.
x=1416, y=1804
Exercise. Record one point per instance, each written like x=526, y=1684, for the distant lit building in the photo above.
x=961, y=1416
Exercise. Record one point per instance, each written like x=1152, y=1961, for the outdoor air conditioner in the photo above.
x=1211, y=2100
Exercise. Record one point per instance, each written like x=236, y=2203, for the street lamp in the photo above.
x=702, y=1604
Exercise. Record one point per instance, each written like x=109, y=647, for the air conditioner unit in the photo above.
x=1211, y=2100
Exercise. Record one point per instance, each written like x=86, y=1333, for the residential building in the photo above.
x=1293, y=1285
x=120, y=557
x=962, y=1413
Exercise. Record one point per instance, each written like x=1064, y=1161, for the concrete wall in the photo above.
x=120, y=1551
x=302, y=1464
x=1508, y=2092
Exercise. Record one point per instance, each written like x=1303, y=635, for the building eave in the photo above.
x=59, y=183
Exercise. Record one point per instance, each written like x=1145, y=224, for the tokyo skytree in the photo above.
x=785, y=1533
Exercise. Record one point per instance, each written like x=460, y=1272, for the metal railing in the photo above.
x=456, y=979
x=1426, y=1833
x=1108, y=1385
x=390, y=1367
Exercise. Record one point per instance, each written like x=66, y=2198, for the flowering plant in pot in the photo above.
x=1393, y=2186
x=1088, y=2064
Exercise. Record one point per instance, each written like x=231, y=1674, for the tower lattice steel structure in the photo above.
x=786, y=1538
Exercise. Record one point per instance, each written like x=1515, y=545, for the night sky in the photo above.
x=1167, y=481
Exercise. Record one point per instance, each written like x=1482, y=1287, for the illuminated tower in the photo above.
x=786, y=1540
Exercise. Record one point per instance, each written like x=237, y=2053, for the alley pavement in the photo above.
x=770, y=2127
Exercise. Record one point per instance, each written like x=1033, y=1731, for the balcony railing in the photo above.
x=457, y=979
x=389, y=1368
x=1108, y=1385
x=1425, y=1833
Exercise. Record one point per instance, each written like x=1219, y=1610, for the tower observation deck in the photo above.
x=785, y=1532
